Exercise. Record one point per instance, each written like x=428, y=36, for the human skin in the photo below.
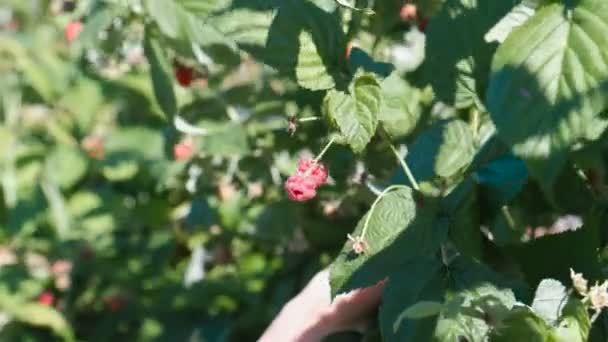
x=312, y=315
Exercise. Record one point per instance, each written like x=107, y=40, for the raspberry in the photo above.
x=315, y=170
x=46, y=298
x=183, y=150
x=184, y=75
x=72, y=30
x=408, y=12
x=300, y=188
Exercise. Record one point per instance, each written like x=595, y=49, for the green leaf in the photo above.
x=549, y=300
x=503, y=179
x=522, y=325
x=574, y=325
x=66, y=165
x=127, y=141
x=38, y=315
x=359, y=59
x=443, y=150
x=164, y=12
x=477, y=299
x=469, y=298
x=185, y=20
x=300, y=38
x=517, y=17
x=161, y=75
x=99, y=20
x=400, y=110
x=224, y=139
x=421, y=309
x=419, y=281
x=550, y=80
x=355, y=114
x=398, y=231
x=457, y=57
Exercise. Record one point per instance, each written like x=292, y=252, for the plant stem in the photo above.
x=405, y=168
x=371, y=209
x=508, y=217
x=474, y=122
x=331, y=141
x=309, y=118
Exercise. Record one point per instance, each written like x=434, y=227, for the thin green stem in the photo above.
x=309, y=118
x=508, y=217
x=373, y=207
x=331, y=141
x=405, y=168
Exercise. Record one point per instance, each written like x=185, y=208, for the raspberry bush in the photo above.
x=177, y=169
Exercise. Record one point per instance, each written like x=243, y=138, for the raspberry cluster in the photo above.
x=303, y=185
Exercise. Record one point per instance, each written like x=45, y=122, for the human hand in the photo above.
x=311, y=315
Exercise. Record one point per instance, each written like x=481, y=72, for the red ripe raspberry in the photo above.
x=300, y=188
x=72, y=30
x=314, y=170
x=183, y=150
x=184, y=75
x=408, y=12
x=46, y=298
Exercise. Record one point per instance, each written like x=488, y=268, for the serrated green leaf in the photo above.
x=550, y=80
x=515, y=18
x=478, y=298
x=522, y=325
x=302, y=39
x=400, y=110
x=398, y=231
x=472, y=297
x=574, y=324
x=443, y=150
x=420, y=280
x=161, y=75
x=549, y=301
x=457, y=57
x=355, y=114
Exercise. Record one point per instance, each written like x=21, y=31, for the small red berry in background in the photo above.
x=115, y=302
x=72, y=30
x=183, y=150
x=408, y=12
x=94, y=146
x=46, y=298
x=300, y=188
x=184, y=75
